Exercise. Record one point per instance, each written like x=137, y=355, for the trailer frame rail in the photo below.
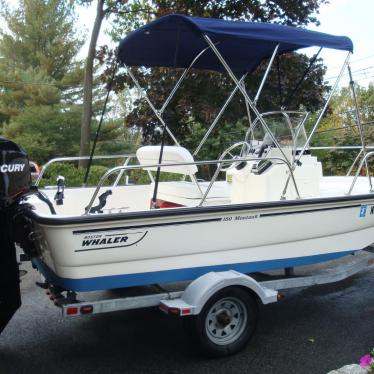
x=175, y=301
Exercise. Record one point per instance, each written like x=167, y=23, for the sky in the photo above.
x=352, y=18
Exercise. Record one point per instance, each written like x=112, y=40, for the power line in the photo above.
x=353, y=61
x=361, y=79
x=359, y=71
x=361, y=59
x=45, y=84
x=38, y=84
x=5, y=82
x=344, y=128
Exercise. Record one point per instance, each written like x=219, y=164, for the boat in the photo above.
x=268, y=205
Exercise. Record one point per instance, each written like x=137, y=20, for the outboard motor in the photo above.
x=15, y=183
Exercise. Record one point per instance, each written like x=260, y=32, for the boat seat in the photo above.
x=150, y=154
x=181, y=192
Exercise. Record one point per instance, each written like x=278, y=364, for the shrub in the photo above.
x=74, y=175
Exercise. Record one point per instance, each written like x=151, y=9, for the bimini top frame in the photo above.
x=235, y=47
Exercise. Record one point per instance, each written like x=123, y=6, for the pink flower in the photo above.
x=366, y=360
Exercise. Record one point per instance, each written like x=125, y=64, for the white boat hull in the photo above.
x=118, y=250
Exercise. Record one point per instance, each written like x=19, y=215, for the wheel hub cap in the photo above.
x=226, y=321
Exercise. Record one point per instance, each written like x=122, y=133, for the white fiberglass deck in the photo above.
x=339, y=186
x=137, y=198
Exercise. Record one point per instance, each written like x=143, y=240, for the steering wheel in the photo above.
x=245, y=149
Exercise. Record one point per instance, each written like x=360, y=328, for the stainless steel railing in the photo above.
x=345, y=147
x=127, y=159
x=197, y=163
x=363, y=161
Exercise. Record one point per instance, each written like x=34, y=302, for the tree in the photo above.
x=339, y=127
x=103, y=9
x=38, y=76
x=200, y=97
x=24, y=88
x=88, y=81
x=40, y=83
x=41, y=35
x=46, y=131
x=37, y=47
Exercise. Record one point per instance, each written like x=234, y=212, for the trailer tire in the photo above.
x=225, y=324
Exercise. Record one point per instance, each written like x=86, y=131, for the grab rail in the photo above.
x=162, y=165
x=78, y=158
x=369, y=154
x=334, y=147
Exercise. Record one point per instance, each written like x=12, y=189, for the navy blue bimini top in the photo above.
x=175, y=40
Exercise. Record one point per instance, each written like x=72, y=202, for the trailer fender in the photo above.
x=203, y=288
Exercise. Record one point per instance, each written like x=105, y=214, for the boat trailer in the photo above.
x=216, y=307
x=188, y=298
x=220, y=307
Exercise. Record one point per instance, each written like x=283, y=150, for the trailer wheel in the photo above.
x=225, y=324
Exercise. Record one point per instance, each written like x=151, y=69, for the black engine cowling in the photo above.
x=15, y=182
x=15, y=176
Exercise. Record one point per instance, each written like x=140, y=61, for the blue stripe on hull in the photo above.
x=168, y=276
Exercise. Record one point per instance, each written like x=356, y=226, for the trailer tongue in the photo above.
x=15, y=182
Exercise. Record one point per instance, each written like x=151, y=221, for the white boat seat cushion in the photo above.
x=150, y=154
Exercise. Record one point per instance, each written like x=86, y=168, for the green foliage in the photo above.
x=291, y=12
x=221, y=138
x=38, y=108
x=46, y=131
x=339, y=128
x=116, y=138
x=139, y=176
x=74, y=175
x=22, y=92
x=39, y=43
x=40, y=97
x=40, y=34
